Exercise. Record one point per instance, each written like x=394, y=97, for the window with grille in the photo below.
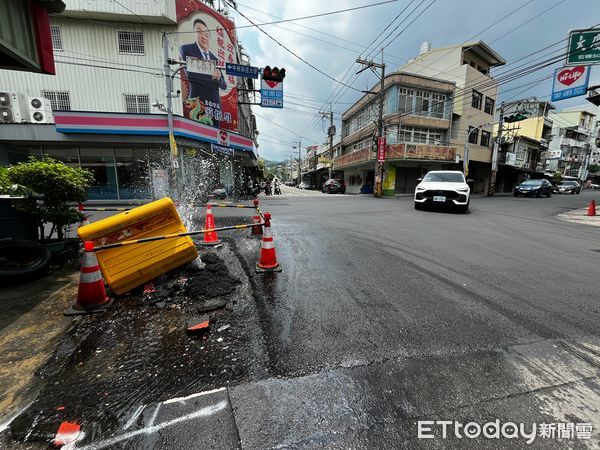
x=56, y=35
x=137, y=104
x=131, y=42
x=485, y=139
x=477, y=99
x=59, y=100
x=489, y=106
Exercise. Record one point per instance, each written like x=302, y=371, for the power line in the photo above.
x=392, y=57
x=334, y=97
x=233, y=6
x=295, y=54
x=528, y=21
x=408, y=25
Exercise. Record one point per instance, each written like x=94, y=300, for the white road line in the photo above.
x=199, y=394
x=203, y=412
x=134, y=417
x=154, y=414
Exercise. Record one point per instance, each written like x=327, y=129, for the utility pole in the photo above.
x=299, y=144
x=378, y=191
x=169, y=87
x=497, y=144
x=330, y=133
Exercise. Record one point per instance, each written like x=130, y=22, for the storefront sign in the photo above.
x=352, y=158
x=551, y=154
x=221, y=149
x=381, y=149
x=417, y=151
x=511, y=159
x=146, y=124
x=570, y=82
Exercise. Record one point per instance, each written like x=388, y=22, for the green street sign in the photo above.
x=584, y=47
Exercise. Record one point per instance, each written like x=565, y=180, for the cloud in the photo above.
x=356, y=29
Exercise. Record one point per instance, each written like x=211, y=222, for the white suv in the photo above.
x=443, y=188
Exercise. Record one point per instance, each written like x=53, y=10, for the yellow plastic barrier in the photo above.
x=127, y=267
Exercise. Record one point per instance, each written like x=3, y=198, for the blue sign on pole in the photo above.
x=271, y=94
x=570, y=82
x=239, y=70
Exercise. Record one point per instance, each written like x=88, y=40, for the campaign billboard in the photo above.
x=206, y=41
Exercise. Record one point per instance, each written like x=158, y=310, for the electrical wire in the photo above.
x=295, y=19
x=292, y=52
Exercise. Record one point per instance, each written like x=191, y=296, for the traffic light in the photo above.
x=273, y=74
x=517, y=117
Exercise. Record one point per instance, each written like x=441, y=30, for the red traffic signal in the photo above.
x=273, y=74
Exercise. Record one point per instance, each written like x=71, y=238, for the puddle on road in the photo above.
x=138, y=352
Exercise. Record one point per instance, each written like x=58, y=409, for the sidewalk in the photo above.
x=580, y=216
x=29, y=340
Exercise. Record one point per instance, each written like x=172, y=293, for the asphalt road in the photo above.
x=384, y=316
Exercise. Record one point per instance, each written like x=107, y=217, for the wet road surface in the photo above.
x=384, y=316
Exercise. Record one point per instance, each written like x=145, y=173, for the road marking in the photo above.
x=154, y=414
x=133, y=418
x=203, y=412
x=199, y=394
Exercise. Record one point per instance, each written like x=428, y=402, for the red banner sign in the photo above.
x=381, y=149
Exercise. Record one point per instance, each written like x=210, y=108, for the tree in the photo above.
x=557, y=177
x=56, y=185
x=593, y=168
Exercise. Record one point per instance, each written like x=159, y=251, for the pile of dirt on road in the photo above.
x=214, y=281
x=193, y=285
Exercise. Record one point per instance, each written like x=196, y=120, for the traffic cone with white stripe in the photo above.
x=91, y=296
x=268, y=258
x=211, y=237
x=256, y=230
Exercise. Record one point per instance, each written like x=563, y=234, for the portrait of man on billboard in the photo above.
x=204, y=87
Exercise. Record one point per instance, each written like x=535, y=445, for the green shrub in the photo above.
x=57, y=185
x=4, y=181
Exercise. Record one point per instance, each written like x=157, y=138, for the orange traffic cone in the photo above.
x=86, y=218
x=268, y=259
x=257, y=230
x=592, y=208
x=91, y=296
x=211, y=237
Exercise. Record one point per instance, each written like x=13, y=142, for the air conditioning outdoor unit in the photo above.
x=12, y=107
x=40, y=110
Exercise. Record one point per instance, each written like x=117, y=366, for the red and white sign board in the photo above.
x=570, y=82
x=381, y=149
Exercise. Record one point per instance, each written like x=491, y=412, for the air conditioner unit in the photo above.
x=40, y=110
x=12, y=107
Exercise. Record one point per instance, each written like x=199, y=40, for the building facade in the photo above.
x=468, y=66
x=417, y=122
x=110, y=61
x=524, y=147
x=574, y=142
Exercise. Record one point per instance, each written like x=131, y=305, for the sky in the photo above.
x=332, y=43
